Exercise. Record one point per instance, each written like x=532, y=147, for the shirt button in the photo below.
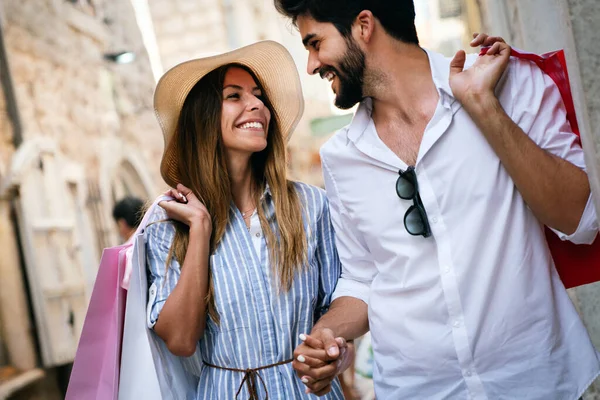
x=456, y=324
x=447, y=269
x=467, y=373
x=434, y=220
x=257, y=234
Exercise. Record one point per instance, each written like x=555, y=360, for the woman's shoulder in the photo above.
x=310, y=193
x=312, y=198
x=156, y=214
x=159, y=226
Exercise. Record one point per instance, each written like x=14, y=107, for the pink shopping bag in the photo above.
x=96, y=369
x=95, y=374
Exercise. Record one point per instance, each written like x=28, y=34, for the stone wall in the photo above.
x=188, y=29
x=67, y=90
x=98, y=112
x=6, y=135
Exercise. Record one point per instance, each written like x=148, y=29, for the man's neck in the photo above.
x=400, y=82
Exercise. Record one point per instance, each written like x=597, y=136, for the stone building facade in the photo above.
x=77, y=132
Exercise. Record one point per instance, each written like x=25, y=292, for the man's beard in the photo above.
x=350, y=76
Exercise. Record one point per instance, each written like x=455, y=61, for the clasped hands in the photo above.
x=320, y=358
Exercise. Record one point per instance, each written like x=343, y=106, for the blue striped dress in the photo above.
x=259, y=325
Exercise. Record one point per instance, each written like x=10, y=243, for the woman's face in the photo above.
x=245, y=118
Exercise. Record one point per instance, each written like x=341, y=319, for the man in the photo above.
x=439, y=190
x=127, y=214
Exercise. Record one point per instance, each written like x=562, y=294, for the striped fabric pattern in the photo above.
x=260, y=323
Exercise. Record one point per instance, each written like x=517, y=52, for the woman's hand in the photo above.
x=317, y=367
x=186, y=208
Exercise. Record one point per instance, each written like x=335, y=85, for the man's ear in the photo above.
x=363, y=26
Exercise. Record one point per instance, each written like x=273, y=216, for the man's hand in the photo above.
x=476, y=85
x=483, y=39
x=320, y=358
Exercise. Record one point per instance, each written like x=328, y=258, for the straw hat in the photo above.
x=272, y=64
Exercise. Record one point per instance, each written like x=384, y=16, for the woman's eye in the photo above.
x=233, y=96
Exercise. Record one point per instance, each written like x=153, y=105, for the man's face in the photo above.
x=125, y=231
x=338, y=59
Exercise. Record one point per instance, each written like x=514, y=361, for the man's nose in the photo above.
x=313, y=65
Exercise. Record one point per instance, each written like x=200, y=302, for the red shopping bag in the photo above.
x=576, y=264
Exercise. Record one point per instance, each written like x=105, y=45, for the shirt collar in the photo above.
x=440, y=73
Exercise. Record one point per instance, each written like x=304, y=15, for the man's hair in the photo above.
x=397, y=17
x=130, y=209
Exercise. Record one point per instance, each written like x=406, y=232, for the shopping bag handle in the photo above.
x=128, y=245
x=146, y=217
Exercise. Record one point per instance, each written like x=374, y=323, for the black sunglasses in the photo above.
x=415, y=219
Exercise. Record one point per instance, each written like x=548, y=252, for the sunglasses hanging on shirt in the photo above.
x=415, y=219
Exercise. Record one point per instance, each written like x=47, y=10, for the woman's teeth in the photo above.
x=252, y=125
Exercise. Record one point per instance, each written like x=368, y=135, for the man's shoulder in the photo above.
x=517, y=66
x=336, y=144
x=471, y=58
x=522, y=85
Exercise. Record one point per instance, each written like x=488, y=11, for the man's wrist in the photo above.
x=481, y=105
x=317, y=329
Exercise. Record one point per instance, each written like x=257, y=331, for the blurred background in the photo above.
x=78, y=134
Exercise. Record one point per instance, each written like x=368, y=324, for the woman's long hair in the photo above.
x=202, y=167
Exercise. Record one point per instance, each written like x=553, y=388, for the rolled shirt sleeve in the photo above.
x=358, y=269
x=539, y=110
x=162, y=281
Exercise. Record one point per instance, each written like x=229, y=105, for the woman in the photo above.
x=242, y=261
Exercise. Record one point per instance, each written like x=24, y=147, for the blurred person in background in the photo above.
x=242, y=260
x=439, y=191
x=127, y=213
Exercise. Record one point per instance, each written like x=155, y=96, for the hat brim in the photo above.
x=271, y=63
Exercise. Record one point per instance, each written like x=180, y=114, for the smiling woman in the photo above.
x=242, y=261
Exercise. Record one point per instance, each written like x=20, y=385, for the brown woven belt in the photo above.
x=249, y=379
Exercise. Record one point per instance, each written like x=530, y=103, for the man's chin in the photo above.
x=345, y=103
x=348, y=97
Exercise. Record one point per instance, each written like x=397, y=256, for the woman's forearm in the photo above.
x=183, y=318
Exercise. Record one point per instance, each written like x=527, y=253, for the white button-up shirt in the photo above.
x=477, y=310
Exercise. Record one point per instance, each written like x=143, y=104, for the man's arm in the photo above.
x=325, y=353
x=347, y=317
x=554, y=189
